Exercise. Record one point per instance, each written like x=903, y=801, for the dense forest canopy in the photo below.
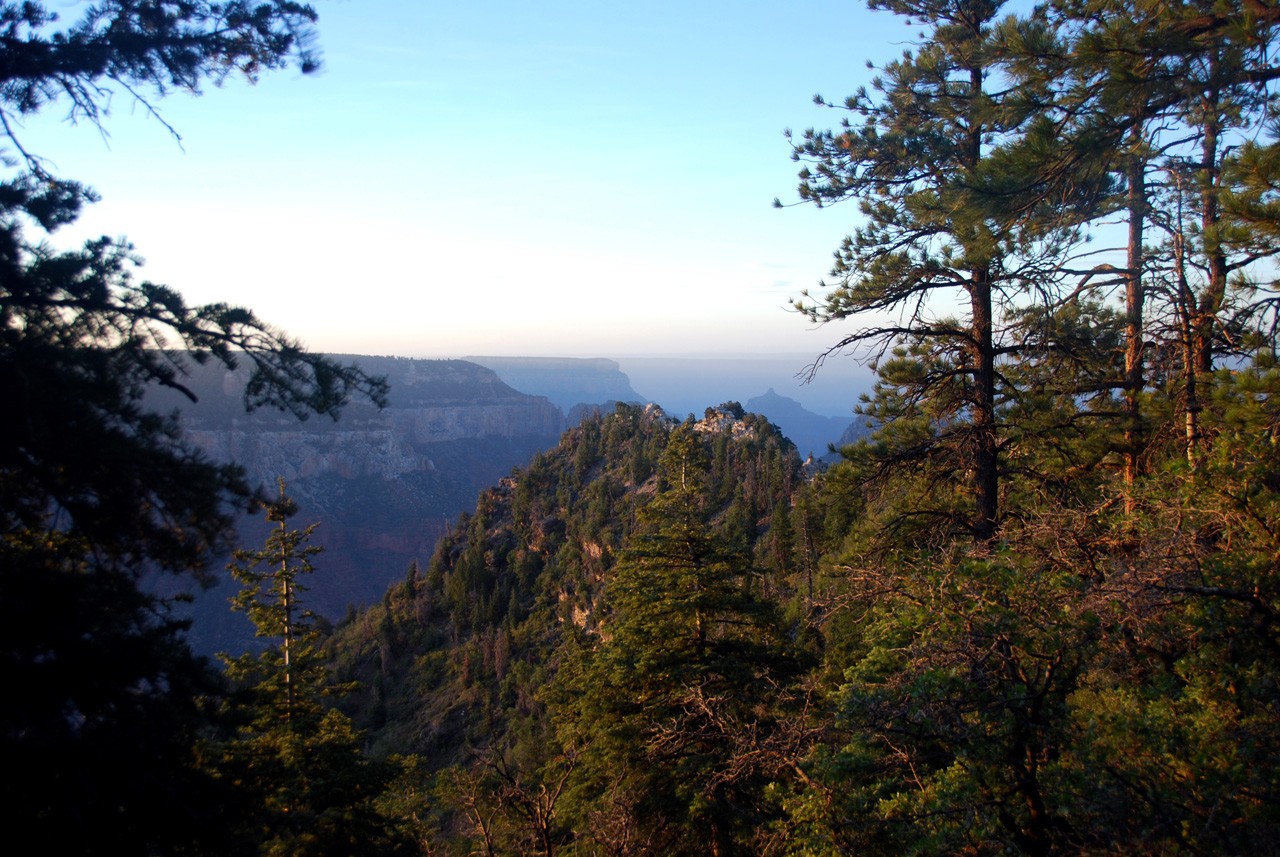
x=1035, y=612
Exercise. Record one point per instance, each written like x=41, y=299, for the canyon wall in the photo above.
x=383, y=485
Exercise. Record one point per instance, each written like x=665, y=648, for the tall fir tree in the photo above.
x=288, y=675
x=307, y=787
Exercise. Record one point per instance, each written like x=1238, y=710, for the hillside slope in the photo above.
x=458, y=655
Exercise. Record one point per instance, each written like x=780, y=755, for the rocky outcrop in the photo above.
x=857, y=430
x=297, y=455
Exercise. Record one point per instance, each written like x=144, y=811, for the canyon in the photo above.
x=385, y=485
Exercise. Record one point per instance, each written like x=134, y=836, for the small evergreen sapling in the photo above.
x=308, y=788
x=288, y=676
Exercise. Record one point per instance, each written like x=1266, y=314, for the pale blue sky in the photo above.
x=571, y=178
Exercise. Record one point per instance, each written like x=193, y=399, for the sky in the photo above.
x=566, y=178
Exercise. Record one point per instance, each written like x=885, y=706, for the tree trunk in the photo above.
x=1210, y=220
x=1134, y=296
x=987, y=481
x=1186, y=305
x=987, y=487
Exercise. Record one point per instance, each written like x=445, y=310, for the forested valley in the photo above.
x=1034, y=613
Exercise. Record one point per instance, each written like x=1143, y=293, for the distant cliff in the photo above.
x=810, y=432
x=384, y=485
x=566, y=381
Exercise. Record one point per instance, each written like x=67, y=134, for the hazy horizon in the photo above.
x=691, y=383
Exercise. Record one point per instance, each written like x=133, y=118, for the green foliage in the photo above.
x=1102, y=683
x=306, y=786
x=287, y=678
x=1098, y=677
x=462, y=658
x=457, y=666
x=688, y=668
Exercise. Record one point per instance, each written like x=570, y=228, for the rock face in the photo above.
x=857, y=430
x=384, y=485
x=299, y=455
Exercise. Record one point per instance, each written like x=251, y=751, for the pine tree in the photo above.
x=943, y=218
x=96, y=490
x=1158, y=95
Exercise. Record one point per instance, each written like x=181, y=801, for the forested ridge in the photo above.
x=485, y=623
x=665, y=637
x=1035, y=612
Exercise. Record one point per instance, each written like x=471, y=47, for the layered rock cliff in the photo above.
x=382, y=484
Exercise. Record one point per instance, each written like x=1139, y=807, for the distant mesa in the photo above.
x=566, y=381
